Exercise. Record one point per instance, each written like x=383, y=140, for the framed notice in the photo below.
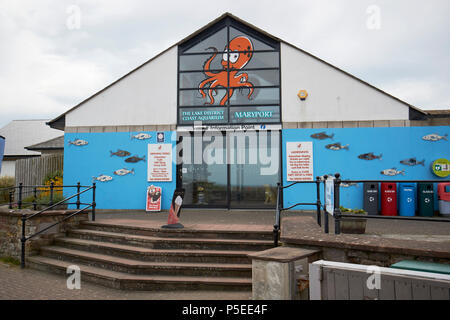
x=153, y=202
x=160, y=162
x=299, y=158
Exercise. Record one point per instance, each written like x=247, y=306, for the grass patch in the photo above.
x=10, y=260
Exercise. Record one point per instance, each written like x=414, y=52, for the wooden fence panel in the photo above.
x=32, y=171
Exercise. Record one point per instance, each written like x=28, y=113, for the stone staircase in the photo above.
x=143, y=258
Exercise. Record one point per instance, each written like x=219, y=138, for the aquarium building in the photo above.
x=231, y=110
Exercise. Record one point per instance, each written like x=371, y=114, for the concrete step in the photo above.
x=125, y=281
x=170, y=243
x=216, y=233
x=158, y=255
x=147, y=268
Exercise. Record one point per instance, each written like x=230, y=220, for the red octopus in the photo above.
x=237, y=60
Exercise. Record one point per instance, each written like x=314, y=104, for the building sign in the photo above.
x=254, y=114
x=153, y=199
x=299, y=158
x=441, y=167
x=160, y=162
x=205, y=115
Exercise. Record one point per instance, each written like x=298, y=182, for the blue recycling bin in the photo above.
x=407, y=199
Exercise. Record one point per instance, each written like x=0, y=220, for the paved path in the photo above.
x=28, y=284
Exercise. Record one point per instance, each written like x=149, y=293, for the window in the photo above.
x=229, y=74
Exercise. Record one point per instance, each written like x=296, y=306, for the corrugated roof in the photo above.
x=53, y=144
x=22, y=133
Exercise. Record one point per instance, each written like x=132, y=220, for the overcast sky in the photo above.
x=56, y=53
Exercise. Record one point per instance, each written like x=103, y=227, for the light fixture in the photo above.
x=302, y=94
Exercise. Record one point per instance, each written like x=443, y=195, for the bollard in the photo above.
x=337, y=210
x=319, y=222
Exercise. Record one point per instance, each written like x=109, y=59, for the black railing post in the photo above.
x=19, y=203
x=276, y=226
x=52, y=184
x=93, y=201
x=319, y=222
x=11, y=193
x=78, y=195
x=337, y=210
x=34, y=198
x=22, y=241
x=325, y=214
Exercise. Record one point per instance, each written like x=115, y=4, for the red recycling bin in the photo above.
x=388, y=199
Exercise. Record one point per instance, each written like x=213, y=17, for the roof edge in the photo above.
x=224, y=15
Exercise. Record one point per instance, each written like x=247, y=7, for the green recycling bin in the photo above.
x=426, y=199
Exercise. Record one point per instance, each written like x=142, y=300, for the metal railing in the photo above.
x=279, y=208
x=51, y=206
x=337, y=214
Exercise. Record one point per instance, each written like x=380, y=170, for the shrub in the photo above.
x=5, y=182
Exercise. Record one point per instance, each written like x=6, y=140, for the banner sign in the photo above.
x=299, y=158
x=329, y=195
x=153, y=198
x=160, y=162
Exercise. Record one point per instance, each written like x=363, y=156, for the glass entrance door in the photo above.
x=254, y=169
x=230, y=169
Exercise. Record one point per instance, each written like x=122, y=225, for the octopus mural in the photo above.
x=238, y=53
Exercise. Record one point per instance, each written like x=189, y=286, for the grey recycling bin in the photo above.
x=371, y=198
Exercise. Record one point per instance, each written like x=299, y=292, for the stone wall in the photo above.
x=366, y=249
x=11, y=229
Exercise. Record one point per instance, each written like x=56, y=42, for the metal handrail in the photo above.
x=25, y=218
x=279, y=208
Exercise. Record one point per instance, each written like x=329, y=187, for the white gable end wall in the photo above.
x=147, y=96
x=332, y=95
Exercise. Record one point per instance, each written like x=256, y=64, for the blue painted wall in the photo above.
x=81, y=163
x=394, y=144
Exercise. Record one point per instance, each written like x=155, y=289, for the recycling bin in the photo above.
x=371, y=198
x=388, y=199
x=407, y=199
x=444, y=198
x=425, y=196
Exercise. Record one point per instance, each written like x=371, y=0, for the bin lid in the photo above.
x=443, y=191
x=422, y=266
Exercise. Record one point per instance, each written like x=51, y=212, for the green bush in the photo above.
x=5, y=182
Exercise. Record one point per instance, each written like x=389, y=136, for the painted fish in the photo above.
x=123, y=171
x=392, y=172
x=120, y=153
x=434, y=137
x=78, y=142
x=369, y=156
x=336, y=146
x=321, y=136
x=141, y=136
x=412, y=162
x=134, y=159
x=350, y=184
x=103, y=178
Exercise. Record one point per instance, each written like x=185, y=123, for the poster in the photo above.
x=153, y=202
x=299, y=158
x=160, y=162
